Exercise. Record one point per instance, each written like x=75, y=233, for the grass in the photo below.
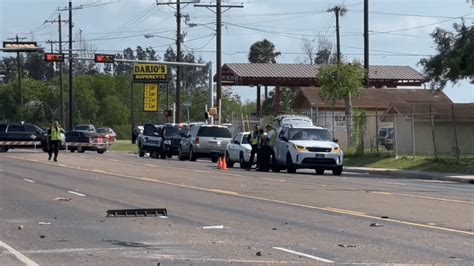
x=421, y=163
x=124, y=146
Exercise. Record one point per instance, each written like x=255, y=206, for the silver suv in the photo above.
x=207, y=141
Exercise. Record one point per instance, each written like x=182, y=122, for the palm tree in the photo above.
x=263, y=52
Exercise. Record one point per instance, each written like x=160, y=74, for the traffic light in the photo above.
x=54, y=57
x=104, y=58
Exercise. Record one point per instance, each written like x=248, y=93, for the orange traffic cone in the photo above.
x=224, y=163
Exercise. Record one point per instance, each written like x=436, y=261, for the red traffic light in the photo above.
x=104, y=58
x=53, y=57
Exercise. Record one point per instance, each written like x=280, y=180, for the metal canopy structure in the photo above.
x=305, y=75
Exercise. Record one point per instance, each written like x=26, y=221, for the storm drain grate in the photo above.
x=137, y=212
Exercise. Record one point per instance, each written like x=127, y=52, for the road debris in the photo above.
x=62, y=199
x=274, y=229
x=376, y=225
x=384, y=217
x=44, y=223
x=259, y=254
x=213, y=227
x=137, y=212
x=20, y=227
x=42, y=236
x=347, y=246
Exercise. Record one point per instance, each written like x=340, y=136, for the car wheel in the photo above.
x=80, y=150
x=162, y=155
x=4, y=148
x=72, y=150
x=290, y=167
x=100, y=151
x=169, y=155
x=141, y=153
x=319, y=171
x=337, y=171
x=192, y=156
x=180, y=155
x=230, y=163
x=242, y=162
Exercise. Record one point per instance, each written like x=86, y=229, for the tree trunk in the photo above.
x=348, y=102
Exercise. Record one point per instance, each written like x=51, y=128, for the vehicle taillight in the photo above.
x=197, y=140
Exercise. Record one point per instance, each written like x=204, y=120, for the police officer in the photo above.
x=54, y=134
x=264, y=155
x=254, y=139
x=271, y=135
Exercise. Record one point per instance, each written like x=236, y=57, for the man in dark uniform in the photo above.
x=264, y=155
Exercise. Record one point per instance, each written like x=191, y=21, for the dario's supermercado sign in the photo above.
x=150, y=73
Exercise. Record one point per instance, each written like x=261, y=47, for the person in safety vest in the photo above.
x=54, y=135
x=271, y=135
x=254, y=140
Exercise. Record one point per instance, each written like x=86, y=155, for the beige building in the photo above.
x=422, y=128
x=375, y=102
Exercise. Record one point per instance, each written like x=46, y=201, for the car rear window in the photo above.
x=86, y=128
x=216, y=132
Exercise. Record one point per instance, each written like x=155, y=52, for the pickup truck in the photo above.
x=22, y=135
x=151, y=141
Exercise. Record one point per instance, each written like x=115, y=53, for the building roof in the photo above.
x=371, y=98
x=462, y=111
x=307, y=75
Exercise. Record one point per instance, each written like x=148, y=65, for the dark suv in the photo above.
x=24, y=135
x=172, y=135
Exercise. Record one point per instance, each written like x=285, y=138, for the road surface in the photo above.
x=55, y=214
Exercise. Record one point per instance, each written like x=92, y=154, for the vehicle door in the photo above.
x=16, y=132
x=281, y=145
x=234, y=147
x=186, y=141
x=148, y=134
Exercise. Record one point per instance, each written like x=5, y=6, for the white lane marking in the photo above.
x=393, y=183
x=163, y=217
x=27, y=261
x=76, y=193
x=303, y=254
x=213, y=227
x=28, y=180
x=274, y=179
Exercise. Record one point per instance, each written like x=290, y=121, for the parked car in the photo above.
x=307, y=147
x=108, y=133
x=238, y=150
x=82, y=141
x=386, y=137
x=208, y=141
x=22, y=135
x=151, y=141
x=88, y=128
x=172, y=135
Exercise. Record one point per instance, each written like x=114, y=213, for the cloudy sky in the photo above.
x=399, y=28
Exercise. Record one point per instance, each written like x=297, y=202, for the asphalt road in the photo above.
x=55, y=214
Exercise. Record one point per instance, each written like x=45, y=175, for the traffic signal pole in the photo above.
x=71, y=100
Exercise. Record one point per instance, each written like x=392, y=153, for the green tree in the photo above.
x=342, y=82
x=455, y=58
x=263, y=52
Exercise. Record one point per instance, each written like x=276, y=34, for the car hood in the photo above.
x=314, y=143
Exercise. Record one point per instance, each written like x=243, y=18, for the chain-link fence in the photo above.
x=404, y=129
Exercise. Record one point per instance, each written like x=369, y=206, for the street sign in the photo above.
x=150, y=98
x=150, y=73
x=20, y=47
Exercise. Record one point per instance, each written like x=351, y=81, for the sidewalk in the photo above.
x=412, y=174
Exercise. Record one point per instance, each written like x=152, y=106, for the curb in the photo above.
x=406, y=174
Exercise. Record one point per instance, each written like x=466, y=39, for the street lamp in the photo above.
x=149, y=35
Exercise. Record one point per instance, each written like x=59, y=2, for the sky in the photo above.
x=399, y=29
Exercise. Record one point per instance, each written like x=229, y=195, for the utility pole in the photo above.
x=60, y=42
x=218, y=5
x=18, y=62
x=71, y=99
x=338, y=11
x=179, y=40
x=366, y=42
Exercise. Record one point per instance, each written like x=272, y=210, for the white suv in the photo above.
x=307, y=147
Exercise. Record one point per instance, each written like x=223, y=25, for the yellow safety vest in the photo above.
x=273, y=139
x=55, y=133
x=253, y=139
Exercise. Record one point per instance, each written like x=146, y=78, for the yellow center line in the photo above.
x=236, y=194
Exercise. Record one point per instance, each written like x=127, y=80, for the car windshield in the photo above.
x=309, y=134
x=216, y=132
x=175, y=130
